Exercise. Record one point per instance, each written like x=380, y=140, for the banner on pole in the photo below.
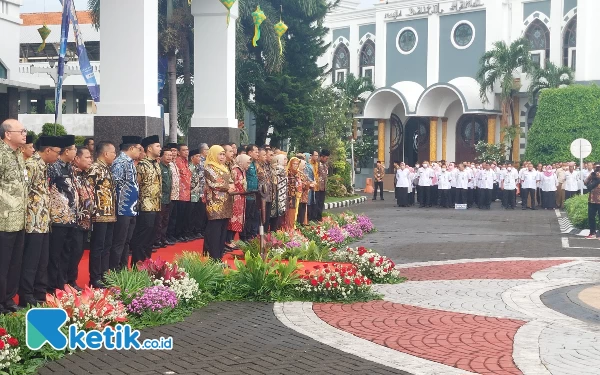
x=64, y=36
x=84, y=62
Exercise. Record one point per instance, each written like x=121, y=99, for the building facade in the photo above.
x=423, y=57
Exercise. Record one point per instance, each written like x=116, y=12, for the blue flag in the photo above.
x=64, y=36
x=84, y=62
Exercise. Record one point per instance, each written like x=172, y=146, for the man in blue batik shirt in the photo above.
x=127, y=189
x=252, y=214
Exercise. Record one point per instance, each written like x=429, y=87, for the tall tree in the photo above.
x=499, y=65
x=550, y=77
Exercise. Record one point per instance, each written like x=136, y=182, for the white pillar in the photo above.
x=71, y=103
x=380, y=50
x=433, y=50
x=588, y=53
x=129, y=58
x=214, y=65
x=354, y=50
x=556, y=16
x=25, y=103
x=517, y=27
x=495, y=30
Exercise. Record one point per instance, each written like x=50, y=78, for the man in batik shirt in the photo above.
x=63, y=212
x=321, y=187
x=34, y=270
x=86, y=211
x=149, y=180
x=162, y=220
x=127, y=189
x=171, y=228
x=28, y=150
x=101, y=180
x=196, y=192
x=184, y=201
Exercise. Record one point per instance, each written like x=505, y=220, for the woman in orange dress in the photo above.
x=294, y=192
x=236, y=223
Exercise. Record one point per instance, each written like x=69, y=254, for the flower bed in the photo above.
x=158, y=292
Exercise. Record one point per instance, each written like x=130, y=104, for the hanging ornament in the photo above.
x=280, y=29
x=228, y=4
x=44, y=31
x=258, y=16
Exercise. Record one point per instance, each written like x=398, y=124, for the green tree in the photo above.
x=500, y=65
x=551, y=76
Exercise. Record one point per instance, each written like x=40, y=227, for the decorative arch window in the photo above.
x=3, y=71
x=570, y=44
x=341, y=63
x=538, y=36
x=367, y=59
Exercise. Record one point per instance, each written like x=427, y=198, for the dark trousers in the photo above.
x=525, y=193
x=461, y=196
x=452, y=196
x=444, y=197
x=378, y=185
x=34, y=270
x=252, y=219
x=434, y=193
x=102, y=237
x=470, y=197
x=171, y=227
x=593, y=210
x=141, y=242
x=485, y=198
x=496, y=192
x=425, y=194
x=301, y=212
x=75, y=254
x=538, y=195
x=122, y=234
x=183, y=219
x=419, y=194
x=402, y=196
x=275, y=223
x=162, y=223
x=11, y=256
x=569, y=194
x=214, y=240
x=320, y=205
x=510, y=198
x=60, y=238
x=198, y=218
x=267, y=222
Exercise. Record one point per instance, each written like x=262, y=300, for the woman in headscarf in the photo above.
x=219, y=205
x=279, y=205
x=548, y=184
x=236, y=223
x=294, y=192
x=309, y=172
x=411, y=188
x=307, y=185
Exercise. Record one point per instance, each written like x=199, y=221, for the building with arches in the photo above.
x=423, y=57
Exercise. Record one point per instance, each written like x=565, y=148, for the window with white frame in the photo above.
x=367, y=59
x=570, y=44
x=341, y=63
x=538, y=36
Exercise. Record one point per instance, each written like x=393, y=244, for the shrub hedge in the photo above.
x=564, y=115
x=577, y=211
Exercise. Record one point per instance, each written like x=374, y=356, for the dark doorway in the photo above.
x=396, y=149
x=470, y=129
x=416, y=140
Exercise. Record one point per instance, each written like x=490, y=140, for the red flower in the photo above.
x=327, y=270
x=332, y=278
x=362, y=248
x=347, y=281
x=1, y=344
x=13, y=342
x=321, y=278
x=371, y=259
x=357, y=281
x=307, y=272
x=337, y=270
x=333, y=249
x=368, y=282
x=314, y=282
x=325, y=265
x=3, y=332
x=327, y=285
x=335, y=285
x=317, y=267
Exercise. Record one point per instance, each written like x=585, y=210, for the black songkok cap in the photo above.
x=131, y=140
x=29, y=140
x=194, y=152
x=171, y=145
x=67, y=141
x=49, y=141
x=150, y=140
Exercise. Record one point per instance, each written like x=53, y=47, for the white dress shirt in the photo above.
x=548, y=183
x=529, y=179
x=572, y=180
x=510, y=179
x=403, y=178
x=444, y=179
x=486, y=178
x=425, y=176
x=462, y=179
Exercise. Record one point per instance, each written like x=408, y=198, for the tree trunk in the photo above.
x=172, y=74
x=187, y=72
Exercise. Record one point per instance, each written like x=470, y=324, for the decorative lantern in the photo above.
x=44, y=31
x=259, y=17
x=280, y=29
x=228, y=4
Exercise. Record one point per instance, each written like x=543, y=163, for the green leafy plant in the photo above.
x=562, y=116
x=129, y=282
x=336, y=187
x=577, y=211
x=490, y=152
x=207, y=272
x=49, y=129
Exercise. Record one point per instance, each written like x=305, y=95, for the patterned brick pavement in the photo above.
x=480, y=270
x=469, y=342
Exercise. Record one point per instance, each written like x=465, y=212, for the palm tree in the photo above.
x=551, y=76
x=353, y=90
x=499, y=65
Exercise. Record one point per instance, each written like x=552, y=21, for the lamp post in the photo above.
x=53, y=73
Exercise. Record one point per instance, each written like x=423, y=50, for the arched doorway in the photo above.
x=470, y=129
x=416, y=141
x=396, y=133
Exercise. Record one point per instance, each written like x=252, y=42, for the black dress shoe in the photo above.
x=169, y=243
x=4, y=311
x=13, y=307
x=155, y=246
x=97, y=285
x=180, y=239
x=28, y=302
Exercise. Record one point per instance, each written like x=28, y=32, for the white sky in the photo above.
x=33, y=6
